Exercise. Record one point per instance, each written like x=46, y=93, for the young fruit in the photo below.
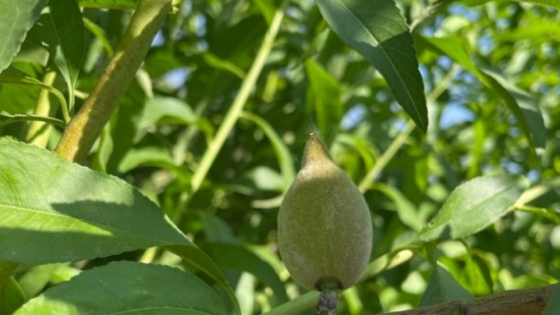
x=324, y=225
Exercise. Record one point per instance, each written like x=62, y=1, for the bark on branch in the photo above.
x=515, y=302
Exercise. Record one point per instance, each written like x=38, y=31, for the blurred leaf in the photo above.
x=214, y=61
x=406, y=210
x=266, y=178
x=553, y=304
x=285, y=159
x=479, y=276
x=11, y=297
x=237, y=257
x=324, y=98
x=16, y=18
x=547, y=3
x=146, y=156
x=217, y=230
x=100, y=34
x=473, y=206
x=527, y=113
x=173, y=109
x=128, y=287
x=443, y=288
x=109, y=4
x=378, y=31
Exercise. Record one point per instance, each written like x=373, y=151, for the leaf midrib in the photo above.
x=411, y=99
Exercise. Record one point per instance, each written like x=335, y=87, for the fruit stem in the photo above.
x=328, y=300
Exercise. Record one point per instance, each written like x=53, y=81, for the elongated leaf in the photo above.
x=324, y=97
x=127, y=287
x=553, y=304
x=52, y=210
x=526, y=113
x=236, y=257
x=547, y=3
x=443, y=288
x=473, y=206
x=13, y=76
x=109, y=4
x=282, y=152
x=378, y=31
x=405, y=209
x=61, y=32
x=200, y=260
x=6, y=269
x=12, y=297
x=16, y=19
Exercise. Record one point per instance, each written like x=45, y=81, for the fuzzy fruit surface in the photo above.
x=324, y=224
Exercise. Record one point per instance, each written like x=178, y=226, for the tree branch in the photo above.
x=515, y=302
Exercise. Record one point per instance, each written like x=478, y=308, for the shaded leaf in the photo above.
x=443, y=288
x=237, y=257
x=324, y=98
x=16, y=19
x=473, y=206
x=61, y=32
x=12, y=297
x=127, y=287
x=6, y=270
x=52, y=210
x=378, y=31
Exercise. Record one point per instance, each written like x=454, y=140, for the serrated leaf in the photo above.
x=443, y=288
x=473, y=206
x=16, y=19
x=61, y=32
x=128, y=287
x=378, y=31
x=52, y=210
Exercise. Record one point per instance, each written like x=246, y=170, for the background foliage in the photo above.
x=492, y=85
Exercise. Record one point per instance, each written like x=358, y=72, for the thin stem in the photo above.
x=86, y=126
x=541, y=212
x=19, y=117
x=39, y=131
x=398, y=142
x=237, y=106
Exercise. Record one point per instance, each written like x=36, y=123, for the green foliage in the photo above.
x=445, y=114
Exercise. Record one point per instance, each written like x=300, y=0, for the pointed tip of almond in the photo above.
x=315, y=151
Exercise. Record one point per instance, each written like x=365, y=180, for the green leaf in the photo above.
x=200, y=260
x=378, y=31
x=52, y=210
x=13, y=76
x=109, y=4
x=16, y=18
x=283, y=154
x=473, y=206
x=443, y=288
x=128, y=287
x=12, y=297
x=6, y=270
x=522, y=106
x=553, y=304
x=61, y=32
x=169, y=108
x=237, y=257
x=406, y=210
x=547, y=3
x=324, y=98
